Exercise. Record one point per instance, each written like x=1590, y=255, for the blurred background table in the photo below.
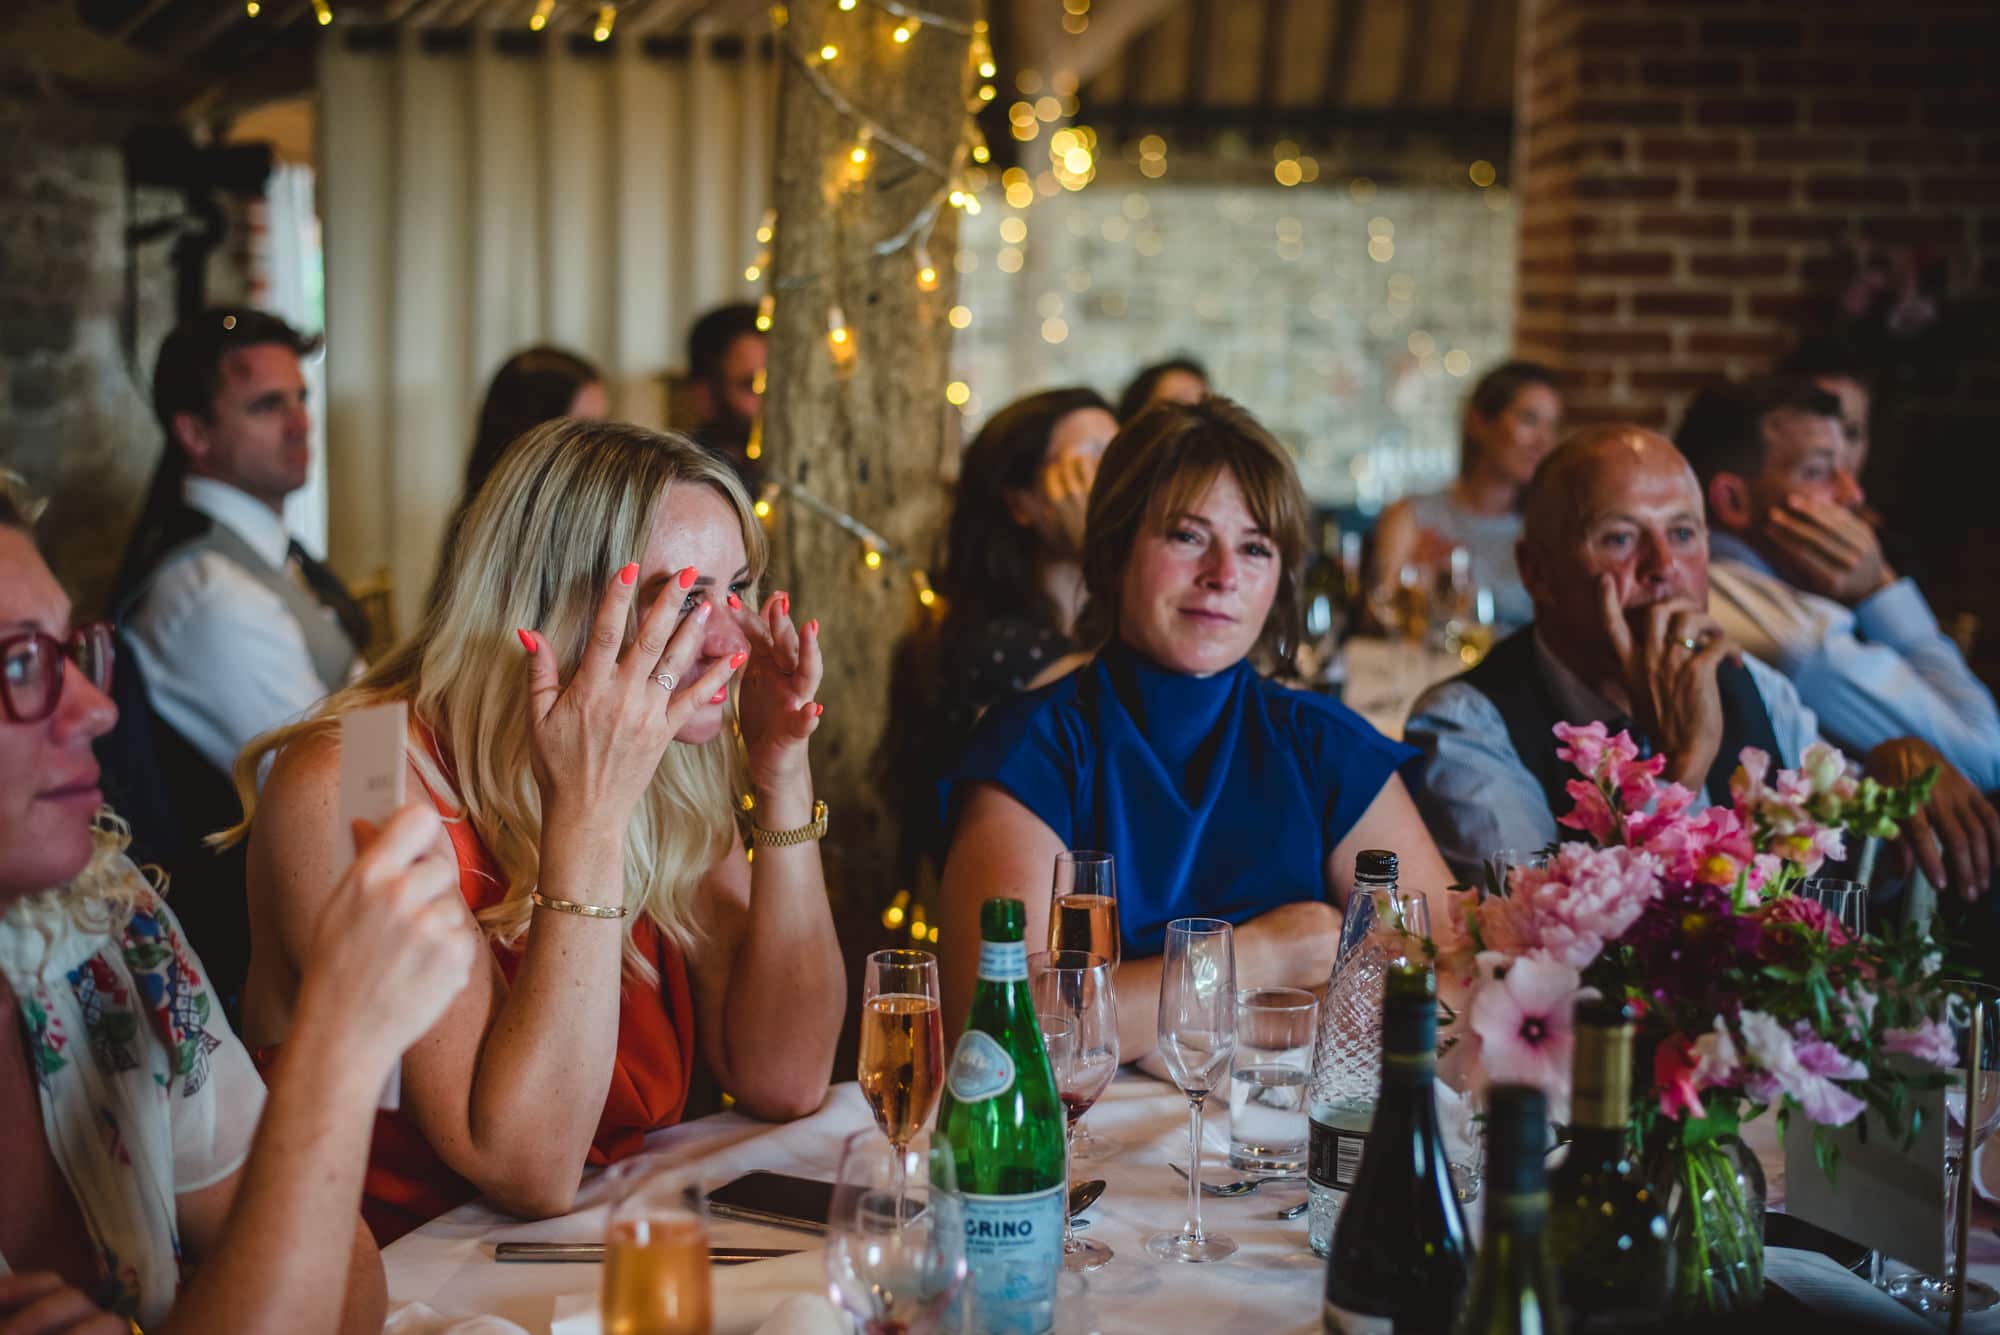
x=1384, y=678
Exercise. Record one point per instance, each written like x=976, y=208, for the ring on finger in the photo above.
x=667, y=681
x=1690, y=643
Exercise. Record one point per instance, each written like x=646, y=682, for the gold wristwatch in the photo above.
x=804, y=834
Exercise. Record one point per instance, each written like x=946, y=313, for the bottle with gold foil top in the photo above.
x=1607, y=1224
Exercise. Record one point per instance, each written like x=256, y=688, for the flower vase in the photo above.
x=1715, y=1216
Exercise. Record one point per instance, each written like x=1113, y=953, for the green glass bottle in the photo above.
x=1514, y=1286
x=1400, y=1256
x=1005, y=1124
x=1607, y=1225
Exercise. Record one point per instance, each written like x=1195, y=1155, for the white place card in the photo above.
x=1882, y=1195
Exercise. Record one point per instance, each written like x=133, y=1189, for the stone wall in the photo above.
x=79, y=328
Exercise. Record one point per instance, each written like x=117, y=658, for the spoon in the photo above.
x=1244, y=1187
x=1294, y=1211
x=1083, y=1195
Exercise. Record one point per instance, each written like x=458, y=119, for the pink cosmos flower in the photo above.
x=1521, y=1013
x=1930, y=1042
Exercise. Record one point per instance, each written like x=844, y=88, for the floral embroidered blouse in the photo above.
x=145, y=1092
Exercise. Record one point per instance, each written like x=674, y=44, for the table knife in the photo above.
x=594, y=1252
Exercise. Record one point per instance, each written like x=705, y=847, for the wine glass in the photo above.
x=902, y=1041
x=1973, y=1092
x=1197, y=1037
x=656, y=1253
x=1846, y=902
x=895, y=1247
x=1083, y=915
x=1075, y=986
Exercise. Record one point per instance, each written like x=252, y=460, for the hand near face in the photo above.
x=1065, y=484
x=1829, y=549
x=1955, y=839
x=1672, y=687
x=597, y=740
x=775, y=707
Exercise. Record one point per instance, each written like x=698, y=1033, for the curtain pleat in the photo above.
x=479, y=201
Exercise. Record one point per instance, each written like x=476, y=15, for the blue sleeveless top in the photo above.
x=1219, y=796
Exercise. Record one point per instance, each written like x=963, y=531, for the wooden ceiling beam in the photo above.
x=1340, y=54
x=1472, y=52
x=1416, y=44
x=1271, y=56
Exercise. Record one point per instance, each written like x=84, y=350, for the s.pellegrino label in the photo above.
x=1013, y=1246
x=1005, y=1126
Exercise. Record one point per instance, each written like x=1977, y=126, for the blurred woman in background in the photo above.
x=1511, y=420
x=1176, y=380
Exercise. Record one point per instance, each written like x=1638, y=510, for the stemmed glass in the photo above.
x=1075, y=986
x=656, y=1253
x=1974, y=1092
x=1083, y=915
x=895, y=1248
x=1197, y=1037
x=902, y=1042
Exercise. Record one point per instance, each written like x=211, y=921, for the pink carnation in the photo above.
x=1584, y=898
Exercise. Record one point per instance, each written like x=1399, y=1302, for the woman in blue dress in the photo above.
x=1220, y=792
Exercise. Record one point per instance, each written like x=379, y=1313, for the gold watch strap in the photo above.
x=804, y=834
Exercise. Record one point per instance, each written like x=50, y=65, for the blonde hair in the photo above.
x=570, y=503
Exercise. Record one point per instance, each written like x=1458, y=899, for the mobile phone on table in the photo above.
x=774, y=1198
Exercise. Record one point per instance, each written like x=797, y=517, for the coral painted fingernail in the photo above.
x=818, y=710
x=735, y=603
x=784, y=604
x=688, y=577
x=528, y=640
x=738, y=659
x=812, y=627
x=629, y=574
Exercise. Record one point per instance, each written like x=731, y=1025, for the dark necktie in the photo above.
x=333, y=595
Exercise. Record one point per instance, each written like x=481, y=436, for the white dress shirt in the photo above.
x=223, y=657
x=1879, y=670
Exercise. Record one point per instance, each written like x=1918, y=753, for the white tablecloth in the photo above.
x=1271, y=1285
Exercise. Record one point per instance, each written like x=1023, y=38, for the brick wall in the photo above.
x=1697, y=181
x=1695, y=177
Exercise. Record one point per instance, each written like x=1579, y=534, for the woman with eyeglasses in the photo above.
x=150, y=1178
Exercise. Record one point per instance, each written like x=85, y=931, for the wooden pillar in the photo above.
x=862, y=424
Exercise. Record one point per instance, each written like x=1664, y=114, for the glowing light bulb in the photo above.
x=829, y=52
x=253, y=9
x=872, y=559
x=902, y=33
x=763, y=509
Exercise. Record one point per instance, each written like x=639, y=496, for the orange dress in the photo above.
x=408, y=1185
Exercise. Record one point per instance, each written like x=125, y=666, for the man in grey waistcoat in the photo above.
x=231, y=626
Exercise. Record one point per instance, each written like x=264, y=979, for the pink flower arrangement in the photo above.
x=1748, y=993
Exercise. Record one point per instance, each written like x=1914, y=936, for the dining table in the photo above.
x=444, y=1278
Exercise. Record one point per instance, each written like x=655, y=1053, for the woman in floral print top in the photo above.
x=151, y=1182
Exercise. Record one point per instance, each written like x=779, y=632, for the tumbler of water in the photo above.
x=1268, y=1075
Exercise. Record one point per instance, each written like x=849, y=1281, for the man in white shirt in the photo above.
x=233, y=627
x=1798, y=578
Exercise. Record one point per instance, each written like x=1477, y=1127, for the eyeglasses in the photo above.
x=31, y=668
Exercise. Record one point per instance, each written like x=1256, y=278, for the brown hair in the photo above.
x=1157, y=465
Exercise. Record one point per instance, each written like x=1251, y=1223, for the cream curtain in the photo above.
x=477, y=200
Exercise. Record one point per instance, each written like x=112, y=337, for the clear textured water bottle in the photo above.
x=1347, y=1051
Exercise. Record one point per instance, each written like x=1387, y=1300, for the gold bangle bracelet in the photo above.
x=542, y=901
x=804, y=834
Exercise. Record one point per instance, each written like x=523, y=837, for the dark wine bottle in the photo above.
x=1400, y=1256
x=1607, y=1225
x=1514, y=1286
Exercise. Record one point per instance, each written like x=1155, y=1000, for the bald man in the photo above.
x=1614, y=553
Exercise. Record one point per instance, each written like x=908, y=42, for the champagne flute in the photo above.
x=1083, y=915
x=1973, y=1093
x=1197, y=1037
x=1846, y=902
x=902, y=1042
x=895, y=1248
x=1075, y=986
x=656, y=1253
